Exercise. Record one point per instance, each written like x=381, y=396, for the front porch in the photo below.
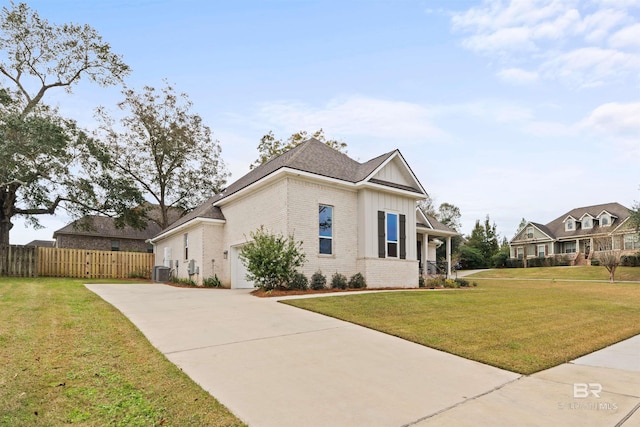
x=428, y=264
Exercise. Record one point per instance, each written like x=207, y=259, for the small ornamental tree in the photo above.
x=271, y=260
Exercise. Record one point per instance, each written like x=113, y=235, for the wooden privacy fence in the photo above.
x=90, y=264
x=20, y=261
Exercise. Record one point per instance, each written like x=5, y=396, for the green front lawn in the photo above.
x=565, y=273
x=68, y=357
x=520, y=325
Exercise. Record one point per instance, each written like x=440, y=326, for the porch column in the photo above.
x=425, y=253
x=448, y=257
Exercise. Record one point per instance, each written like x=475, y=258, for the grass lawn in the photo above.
x=68, y=357
x=520, y=325
x=568, y=273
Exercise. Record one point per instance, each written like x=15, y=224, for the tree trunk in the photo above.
x=5, y=226
x=6, y=211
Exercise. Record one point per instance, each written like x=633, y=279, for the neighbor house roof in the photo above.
x=100, y=226
x=556, y=228
x=42, y=243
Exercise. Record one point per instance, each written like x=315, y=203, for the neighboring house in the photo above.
x=351, y=217
x=100, y=233
x=579, y=235
x=42, y=243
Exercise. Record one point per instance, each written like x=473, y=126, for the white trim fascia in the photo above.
x=388, y=189
x=397, y=153
x=190, y=223
x=285, y=171
x=567, y=217
x=608, y=213
x=620, y=225
x=436, y=232
x=587, y=214
x=424, y=217
x=531, y=224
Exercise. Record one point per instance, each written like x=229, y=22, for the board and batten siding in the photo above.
x=369, y=203
x=394, y=171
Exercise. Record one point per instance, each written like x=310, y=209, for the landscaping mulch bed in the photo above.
x=289, y=292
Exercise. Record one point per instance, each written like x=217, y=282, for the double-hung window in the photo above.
x=392, y=235
x=325, y=229
x=186, y=246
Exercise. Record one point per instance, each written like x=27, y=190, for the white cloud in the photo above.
x=557, y=39
x=615, y=118
x=618, y=123
x=626, y=37
x=355, y=115
x=599, y=25
x=518, y=75
x=590, y=66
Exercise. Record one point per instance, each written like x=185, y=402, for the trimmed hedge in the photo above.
x=630, y=260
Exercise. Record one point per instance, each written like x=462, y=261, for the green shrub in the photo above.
x=471, y=258
x=357, y=281
x=181, y=281
x=299, y=281
x=271, y=260
x=514, y=263
x=595, y=262
x=339, y=281
x=142, y=273
x=630, y=260
x=435, y=282
x=499, y=260
x=318, y=281
x=212, y=282
x=421, y=281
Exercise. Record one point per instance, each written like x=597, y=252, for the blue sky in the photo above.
x=507, y=108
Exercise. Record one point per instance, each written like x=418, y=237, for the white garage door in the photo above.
x=238, y=271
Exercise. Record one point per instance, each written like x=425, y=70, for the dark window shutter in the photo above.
x=403, y=237
x=382, y=240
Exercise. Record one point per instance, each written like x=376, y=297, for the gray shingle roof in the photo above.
x=437, y=225
x=556, y=227
x=101, y=226
x=311, y=156
x=314, y=157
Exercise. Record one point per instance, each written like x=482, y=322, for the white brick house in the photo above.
x=351, y=217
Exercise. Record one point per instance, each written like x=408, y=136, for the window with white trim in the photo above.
x=569, y=247
x=186, y=245
x=529, y=232
x=631, y=241
x=520, y=253
x=569, y=225
x=605, y=221
x=325, y=229
x=586, y=223
x=542, y=251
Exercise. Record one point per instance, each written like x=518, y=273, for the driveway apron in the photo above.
x=275, y=365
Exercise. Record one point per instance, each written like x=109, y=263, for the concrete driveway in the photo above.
x=276, y=365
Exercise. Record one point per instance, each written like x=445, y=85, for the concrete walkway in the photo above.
x=276, y=365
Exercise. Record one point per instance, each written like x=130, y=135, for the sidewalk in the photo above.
x=276, y=365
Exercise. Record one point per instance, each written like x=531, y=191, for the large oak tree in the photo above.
x=41, y=152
